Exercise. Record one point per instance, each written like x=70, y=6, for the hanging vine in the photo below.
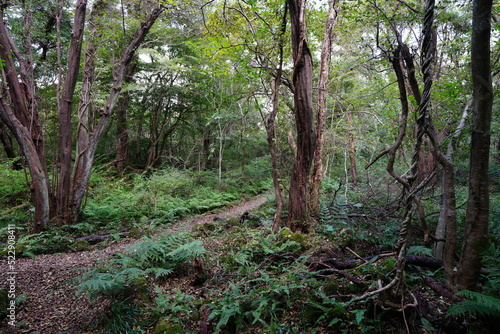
x=410, y=183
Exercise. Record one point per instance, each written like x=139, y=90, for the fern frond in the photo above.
x=476, y=304
x=100, y=284
x=159, y=272
x=186, y=251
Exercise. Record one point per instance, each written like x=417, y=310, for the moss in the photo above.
x=297, y=241
x=20, y=249
x=166, y=327
x=81, y=245
x=136, y=232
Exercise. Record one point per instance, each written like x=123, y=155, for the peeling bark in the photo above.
x=303, y=110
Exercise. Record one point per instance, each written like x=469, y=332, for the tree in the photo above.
x=477, y=216
x=303, y=111
x=21, y=113
x=318, y=169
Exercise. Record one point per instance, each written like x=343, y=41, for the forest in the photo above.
x=249, y=166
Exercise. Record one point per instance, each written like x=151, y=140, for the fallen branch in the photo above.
x=441, y=289
x=95, y=239
x=14, y=208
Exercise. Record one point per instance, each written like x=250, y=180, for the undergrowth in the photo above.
x=143, y=202
x=251, y=280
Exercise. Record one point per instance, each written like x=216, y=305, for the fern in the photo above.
x=100, y=284
x=476, y=304
x=159, y=272
x=186, y=251
x=147, y=258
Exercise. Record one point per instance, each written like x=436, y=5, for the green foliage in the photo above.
x=339, y=227
x=47, y=242
x=13, y=189
x=476, y=304
x=152, y=259
x=491, y=261
x=175, y=305
x=125, y=278
x=122, y=318
x=163, y=195
x=259, y=300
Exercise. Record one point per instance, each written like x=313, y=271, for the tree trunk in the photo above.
x=65, y=112
x=302, y=81
x=352, y=149
x=25, y=124
x=476, y=220
x=271, y=127
x=39, y=186
x=86, y=154
x=318, y=170
x=122, y=140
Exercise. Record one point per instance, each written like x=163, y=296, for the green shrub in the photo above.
x=13, y=188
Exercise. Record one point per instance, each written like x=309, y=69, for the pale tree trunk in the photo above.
x=352, y=149
x=318, y=169
x=442, y=240
x=303, y=109
x=477, y=216
x=87, y=149
x=271, y=127
x=65, y=105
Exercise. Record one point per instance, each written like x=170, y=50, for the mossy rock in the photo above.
x=299, y=241
x=81, y=245
x=166, y=327
x=4, y=303
x=136, y=232
x=140, y=284
x=20, y=249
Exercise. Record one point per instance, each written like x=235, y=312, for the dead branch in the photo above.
x=441, y=289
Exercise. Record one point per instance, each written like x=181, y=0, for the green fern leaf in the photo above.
x=476, y=304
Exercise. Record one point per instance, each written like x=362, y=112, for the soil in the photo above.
x=52, y=305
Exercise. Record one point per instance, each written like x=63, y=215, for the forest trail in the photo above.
x=52, y=305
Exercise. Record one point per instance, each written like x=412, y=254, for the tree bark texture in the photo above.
x=65, y=111
x=271, y=127
x=476, y=228
x=39, y=186
x=24, y=124
x=303, y=109
x=318, y=169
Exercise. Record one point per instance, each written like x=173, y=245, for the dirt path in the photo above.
x=52, y=306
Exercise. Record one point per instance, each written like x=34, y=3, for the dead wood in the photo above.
x=434, y=285
x=95, y=239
